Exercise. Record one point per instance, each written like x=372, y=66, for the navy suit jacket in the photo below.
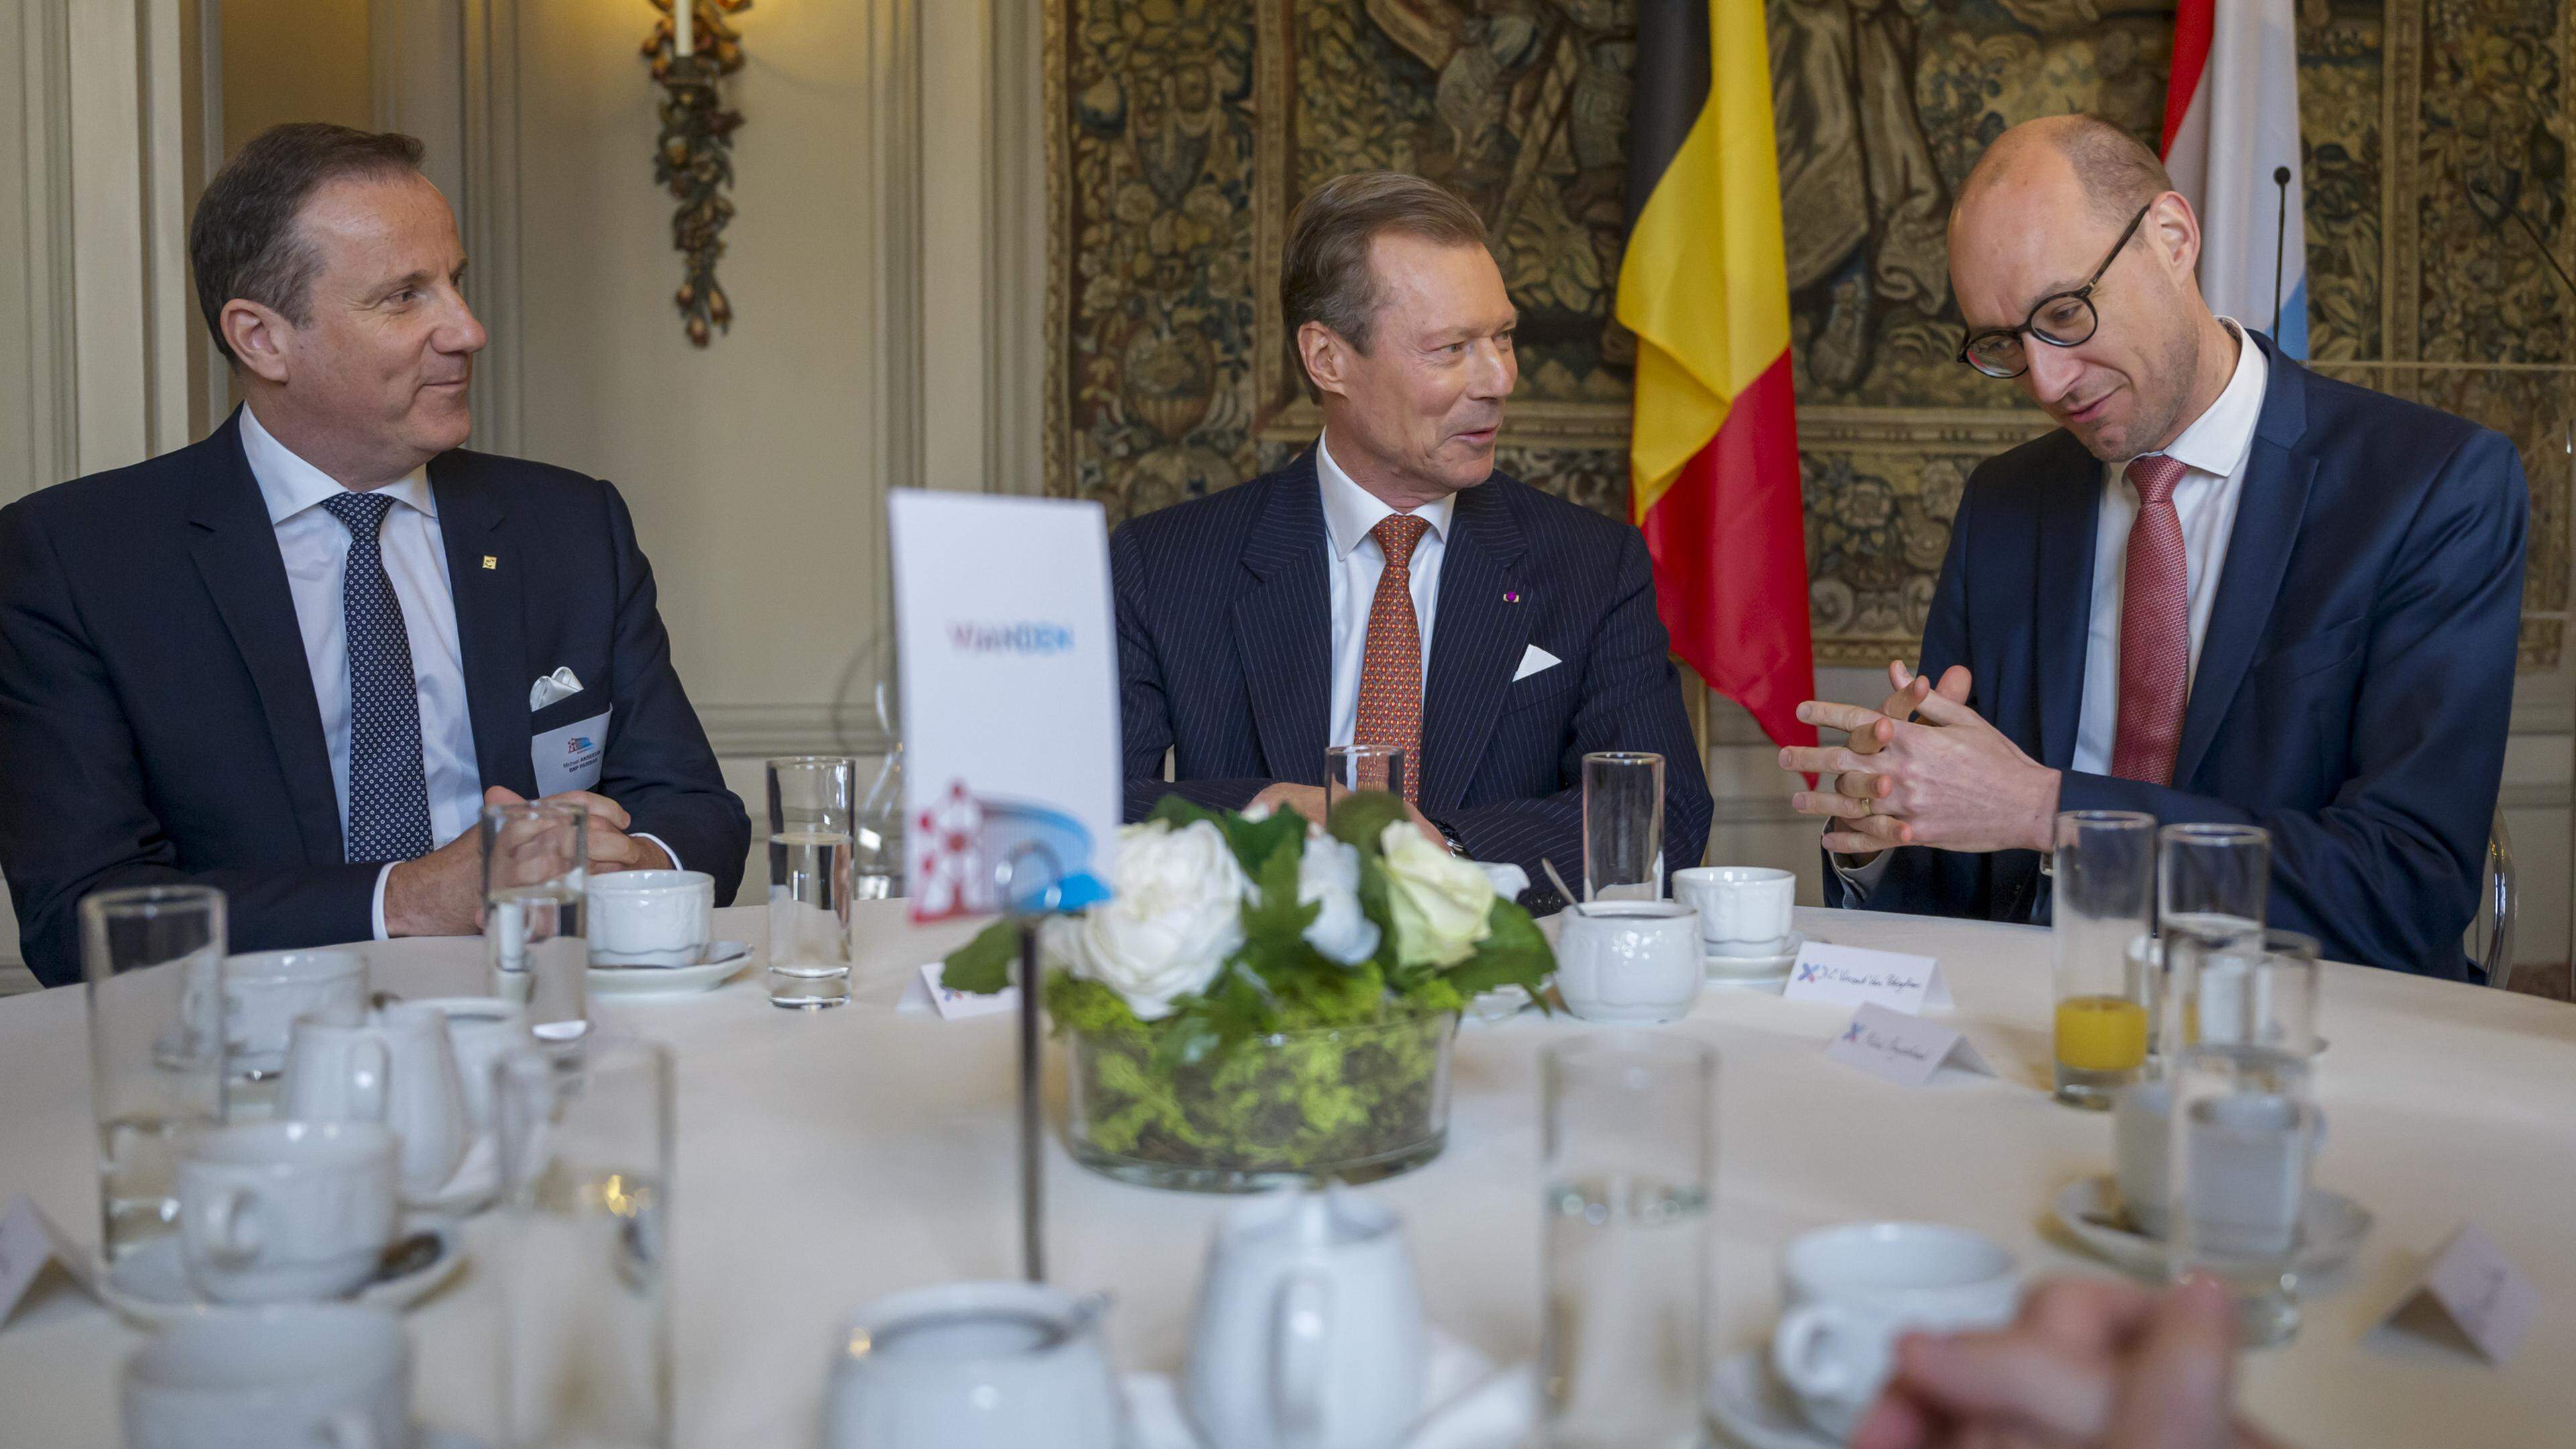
x=157, y=718
x=1224, y=649
x=2352, y=692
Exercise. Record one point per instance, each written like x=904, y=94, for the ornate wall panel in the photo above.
x=1181, y=132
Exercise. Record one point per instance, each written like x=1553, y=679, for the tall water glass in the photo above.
x=2244, y=1128
x=2103, y=903
x=536, y=873
x=1362, y=767
x=153, y=958
x=1623, y=826
x=876, y=855
x=811, y=820
x=1629, y=1158
x=2212, y=885
x=585, y=1143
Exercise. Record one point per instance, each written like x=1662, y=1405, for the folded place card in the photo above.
x=1850, y=975
x=28, y=1241
x=1906, y=1050
x=930, y=990
x=2477, y=1290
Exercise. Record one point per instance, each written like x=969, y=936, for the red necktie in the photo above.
x=2155, y=629
x=1391, y=664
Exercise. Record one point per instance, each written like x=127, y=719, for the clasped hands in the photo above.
x=441, y=893
x=1946, y=779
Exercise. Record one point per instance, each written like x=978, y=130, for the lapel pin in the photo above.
x=490, y=562
x=1513, y=597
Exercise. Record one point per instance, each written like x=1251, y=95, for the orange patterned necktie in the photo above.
x=1391, y=664
x=2155, y=629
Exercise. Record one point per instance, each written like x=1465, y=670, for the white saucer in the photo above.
x=1753, y=1409
x=1753, y=972
x=471, y=1188
x=2090, y=1209
x=150, y=1289
x=723, y=960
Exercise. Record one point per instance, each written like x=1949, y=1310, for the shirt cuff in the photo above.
x=376, y=912
x=1859, y=880
x=666, y=847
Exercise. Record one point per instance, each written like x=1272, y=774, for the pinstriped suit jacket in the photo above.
x=1224, y=643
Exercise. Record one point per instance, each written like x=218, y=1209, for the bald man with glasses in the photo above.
x=2224, y=590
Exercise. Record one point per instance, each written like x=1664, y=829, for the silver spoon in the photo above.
x=1572, y=903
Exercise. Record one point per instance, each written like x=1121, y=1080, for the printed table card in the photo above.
x=1851, y=975
x=28, y=1241
x=930, y=991
x=1906, y=1050
x=2477, y=1290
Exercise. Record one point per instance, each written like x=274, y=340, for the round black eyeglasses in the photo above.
x=2062, y=319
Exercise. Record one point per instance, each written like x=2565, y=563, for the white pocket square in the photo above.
x=563, y=685
x=1532, y=662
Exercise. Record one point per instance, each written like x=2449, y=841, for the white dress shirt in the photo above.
x=2213, y=451
x=1354, y=563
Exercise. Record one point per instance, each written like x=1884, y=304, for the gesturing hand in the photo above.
x=1955, y=782
x=1855, y=794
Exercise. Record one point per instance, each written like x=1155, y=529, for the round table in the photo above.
x=824, y=1159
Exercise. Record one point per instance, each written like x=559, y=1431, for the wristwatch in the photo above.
x=1457, y=847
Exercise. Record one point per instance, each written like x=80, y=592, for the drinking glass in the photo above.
x=2212, y=884
x=1623, y=826
x=2244, y=1128
x=585, y=1144
x=2103, y=901
x=1362, y=767
x=1629, y=1164
x=536, y=874
x=876, y=856
x=153, y=959
x=811, y=817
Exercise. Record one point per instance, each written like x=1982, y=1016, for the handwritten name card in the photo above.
x=1906, y=1050
x=1851, y=975
x=2478, y=1290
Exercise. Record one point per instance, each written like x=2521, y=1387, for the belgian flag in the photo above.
x=1713, y=446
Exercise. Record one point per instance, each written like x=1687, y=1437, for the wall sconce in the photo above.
x=693, y=46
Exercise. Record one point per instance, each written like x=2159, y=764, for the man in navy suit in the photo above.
x=1388, y=586
x=2225, y=590
x=296, y=659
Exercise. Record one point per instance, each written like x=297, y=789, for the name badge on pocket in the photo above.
x=569, y=758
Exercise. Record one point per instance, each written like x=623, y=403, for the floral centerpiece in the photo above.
x=1264, y=999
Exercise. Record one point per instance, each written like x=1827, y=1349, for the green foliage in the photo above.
x=1362, y=818
x=987, y=963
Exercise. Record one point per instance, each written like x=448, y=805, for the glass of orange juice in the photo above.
x=2103, y=902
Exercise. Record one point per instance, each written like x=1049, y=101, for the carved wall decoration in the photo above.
x=1181, y=133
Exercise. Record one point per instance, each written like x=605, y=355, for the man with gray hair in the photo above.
x=2225, y=591
x=1388, y=587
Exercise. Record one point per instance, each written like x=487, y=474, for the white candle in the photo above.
x=680, y=22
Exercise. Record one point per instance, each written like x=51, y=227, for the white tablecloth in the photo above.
x=825, y=1159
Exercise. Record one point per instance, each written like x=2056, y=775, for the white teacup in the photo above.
x=479, y=1030
x=398, y=1068
x=1848, y=1292
x=1309, y=1328
x=2253, y=1168
x=265, y=991
x=326, y=1376
x=973, y=1366
x=285, y=1212
x=1629, y=960
x=650, y=917
x=1743, y=909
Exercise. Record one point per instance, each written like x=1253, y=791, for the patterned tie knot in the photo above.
x=2154, y=476
x=363, y=514
x=1396, y=534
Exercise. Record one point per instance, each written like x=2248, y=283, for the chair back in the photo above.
x=2491, y=934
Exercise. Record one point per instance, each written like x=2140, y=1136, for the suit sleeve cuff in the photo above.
x=1859, y=880
x=376, y=910
x=664, y=844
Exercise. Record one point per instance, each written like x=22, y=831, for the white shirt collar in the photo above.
x=289, y=485
x=1350, y=511
x=2218, y=441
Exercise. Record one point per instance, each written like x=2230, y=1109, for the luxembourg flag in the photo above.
x=2231, y=130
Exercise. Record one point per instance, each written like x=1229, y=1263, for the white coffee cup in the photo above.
x=284, y=1212
x=1629, y=960
x=480, y=1029
x=399, y=1068
x=650, y=917
x=1309, y=1328
x=323, y=1375
x=2253, y=1167
x=973, y=1366
x=1743, y=909
x=1848, y=1292
x=265, y=991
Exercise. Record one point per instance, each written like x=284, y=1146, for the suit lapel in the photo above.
x=2070, y=516
x=2277, y=476
x=1282, y=627
x=490, y=627
x=1477, y=638
x=236, y=552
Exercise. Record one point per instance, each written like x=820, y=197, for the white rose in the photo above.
x=1440, y=906
x=1329, y=872
x=1176, y=916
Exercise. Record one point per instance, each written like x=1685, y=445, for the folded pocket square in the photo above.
x=1534, y=661
x=563, y=685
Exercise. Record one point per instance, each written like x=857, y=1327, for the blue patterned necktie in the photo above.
x=388, y=791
